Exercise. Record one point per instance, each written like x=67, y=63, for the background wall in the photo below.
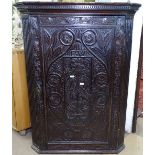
x=133, y=65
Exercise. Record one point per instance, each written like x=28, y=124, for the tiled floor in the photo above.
x=133, y=142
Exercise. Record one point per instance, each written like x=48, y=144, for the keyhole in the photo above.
x=72, y=76
x=81, y=83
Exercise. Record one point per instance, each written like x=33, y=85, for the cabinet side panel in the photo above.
x=127, y=58
x=120, y=80
x=34, y=76
x=123, y=40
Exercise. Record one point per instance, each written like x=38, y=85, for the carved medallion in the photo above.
x=89, y=38
x=66, y=37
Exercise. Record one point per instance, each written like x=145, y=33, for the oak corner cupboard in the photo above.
x=78, y=61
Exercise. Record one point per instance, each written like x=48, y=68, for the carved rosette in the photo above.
x=89, y=38
x=54, y=89
x=66, y=37
x=100, y=88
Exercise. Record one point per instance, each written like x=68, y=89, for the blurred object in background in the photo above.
x=17, y=37
x=20, y=103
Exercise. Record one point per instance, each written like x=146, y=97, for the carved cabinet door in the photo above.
x=82, y=59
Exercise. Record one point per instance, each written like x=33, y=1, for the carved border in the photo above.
x=24, y=6
x=34, y=67
x=54, y=20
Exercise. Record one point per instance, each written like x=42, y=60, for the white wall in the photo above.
x=133, y=67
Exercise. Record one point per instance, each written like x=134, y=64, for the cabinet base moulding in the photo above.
x=78, y=151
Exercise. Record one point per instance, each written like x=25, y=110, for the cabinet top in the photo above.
x=24, y=7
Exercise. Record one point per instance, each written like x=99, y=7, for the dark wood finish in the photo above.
x=78, y=60
x=139, y=76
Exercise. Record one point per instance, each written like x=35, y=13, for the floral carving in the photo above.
x=84, y=20
x=34, y=77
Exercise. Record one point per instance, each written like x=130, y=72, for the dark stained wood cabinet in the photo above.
x=78, y=60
